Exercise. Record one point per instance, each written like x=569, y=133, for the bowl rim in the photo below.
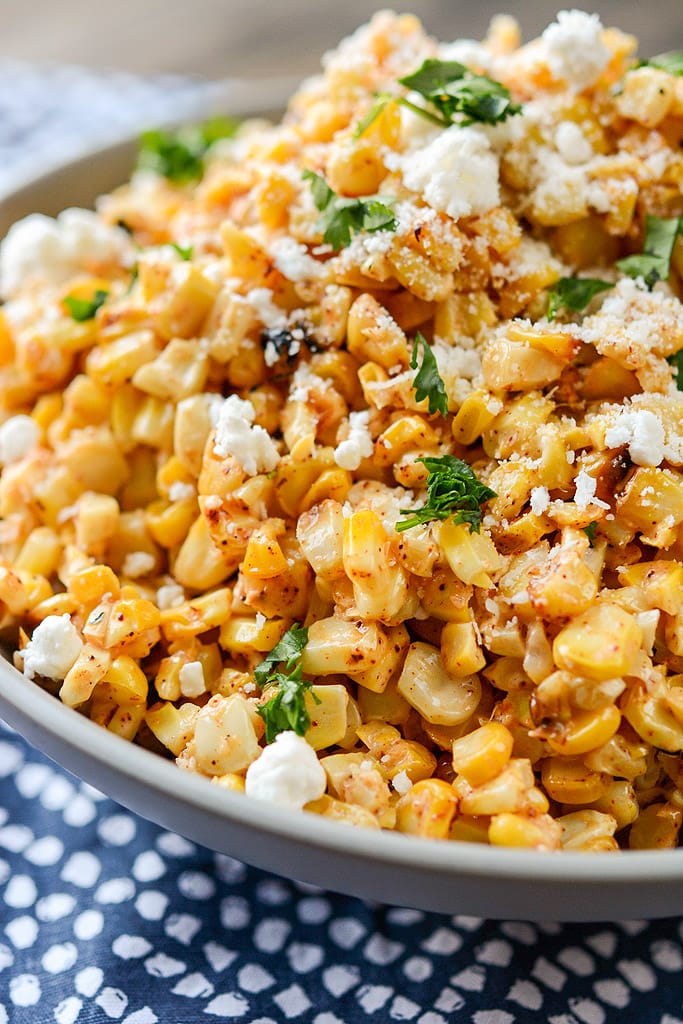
x=26, y=700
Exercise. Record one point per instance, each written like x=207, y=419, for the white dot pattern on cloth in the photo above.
x=124, y=921
x=104, y=916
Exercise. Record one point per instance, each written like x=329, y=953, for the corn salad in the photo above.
x=213, y=437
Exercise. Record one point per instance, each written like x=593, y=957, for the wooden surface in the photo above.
x=220, y=38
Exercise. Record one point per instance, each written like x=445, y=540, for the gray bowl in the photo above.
x=453, y=878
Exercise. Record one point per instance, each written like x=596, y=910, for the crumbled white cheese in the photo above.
x=468, y=52
x=292, y=260
x=179, y=491
x=18, y=435
x=457, y=173
x=270, y=354
x=401, y=782
x=40, y=247
x=213, y=501
x=585, y=491
x=572, y=144
x=138, y=563
x=287, y=773
x=170, y=595
x=303, y=382
x=643, y=432
x=260, y=620
x=261, y=301
x=237, y=435
x=540, y=500
x=574, y=49
x=191, y=678
x=359, y=444
x=53, y=648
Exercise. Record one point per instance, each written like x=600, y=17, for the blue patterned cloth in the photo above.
x=104, y=916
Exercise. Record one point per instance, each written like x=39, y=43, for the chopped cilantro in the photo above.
x=654, y=263
x=590, y=531
x=671, y=61
x=286, y=709
x=184, y=251
x=85, y=309
x=452, y=89
x=342, y=217
x=179, y=154
x=427, y=382
x=453, y=492
x=574, y=293
x=676, y=360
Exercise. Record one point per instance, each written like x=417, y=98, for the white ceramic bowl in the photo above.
x=450, y=877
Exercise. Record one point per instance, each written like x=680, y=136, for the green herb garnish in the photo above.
x=590, y=531
x=341, y=216
x=184, y=251
x=655, y=261
x=179, y=155
x=676, y=360
x=672, y=61
x=428, y=383
x=574, y=293
x=453, y=492
x=452, y=89
x=287, y=708
x=85, y=309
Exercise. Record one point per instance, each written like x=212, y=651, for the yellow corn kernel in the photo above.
x=602, y=643
x=293, y=479
x=170, y=524
x=89, y=585
x=405, y=434
x=96, y=521
x=172, y=726
x=127, y=682
x=241, y=635
x=335, y=645
x=650, y=713
x=115, y=363
x=471, y=556
x=436, y=695
x=226, y=733
x=620, y=801
x=569, y=781
x=661, y=582
x=89, y=669
x=657, y=827
x=380, y=588
x=517, y=366
x=519, y=830
x=373, y=335
x=482, y=754
x=191, y=430
x=184, y=307
x=395, y=754
x=586, y=731
x=474, y=416
x=57, y=604
x=656, y=520
x=230, y=781
x=179, y=371
x=153, y=424
x=263, y=558
x=320, y=532
x=388, y=706
x=40, y=553
x=326, y=706
x=646, y=95
x=289, y=591
x=199, y=564
x=427, y=809
x=346, y=814
x=95, y=460
x=588, y=831
x=197, y=615
x=333, y=484
x=167, y=679
x=445, y=597
x=506, y=791
x=461, y=653
x=619, y=757
x=128, y=619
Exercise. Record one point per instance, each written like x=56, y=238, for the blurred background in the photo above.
x=221, y=38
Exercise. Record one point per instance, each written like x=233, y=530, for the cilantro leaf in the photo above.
x=184, y=251
x=427, y=382
x=574, y=293
x=450, y=88
x=373, y=113
x=654, y=263
x=590, y=531
x=286, y=709
x=178, y=155
x=341, y=217
x=85, y=309
x=671, y=61
x=288, y=649
x=676, y=360
x=453, y=492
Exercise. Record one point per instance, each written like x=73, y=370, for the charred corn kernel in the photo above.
x=427, y=809
x=89, y=669
x=335, y=645
x=461, y=653
x=426, y=685
x=656, y=828
x=241, y=635
x=619, y=757
x=172, y=726
x=346, y=814
x=506, y=791
x=445, y=597
x=602, y=643
x=471, y=556
x=650, y=714
x=226, y=733
x=620, y=801
x=326, y=706
x=569, y=781
x=586, y=731
x=40, y=553
x=588, y=831
x=538, y=833
x=373, y=335
x=197, y=615
x=116, y=362
x=380, y=588
x=483, y=753
x=90, y=584
x=199, y=564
